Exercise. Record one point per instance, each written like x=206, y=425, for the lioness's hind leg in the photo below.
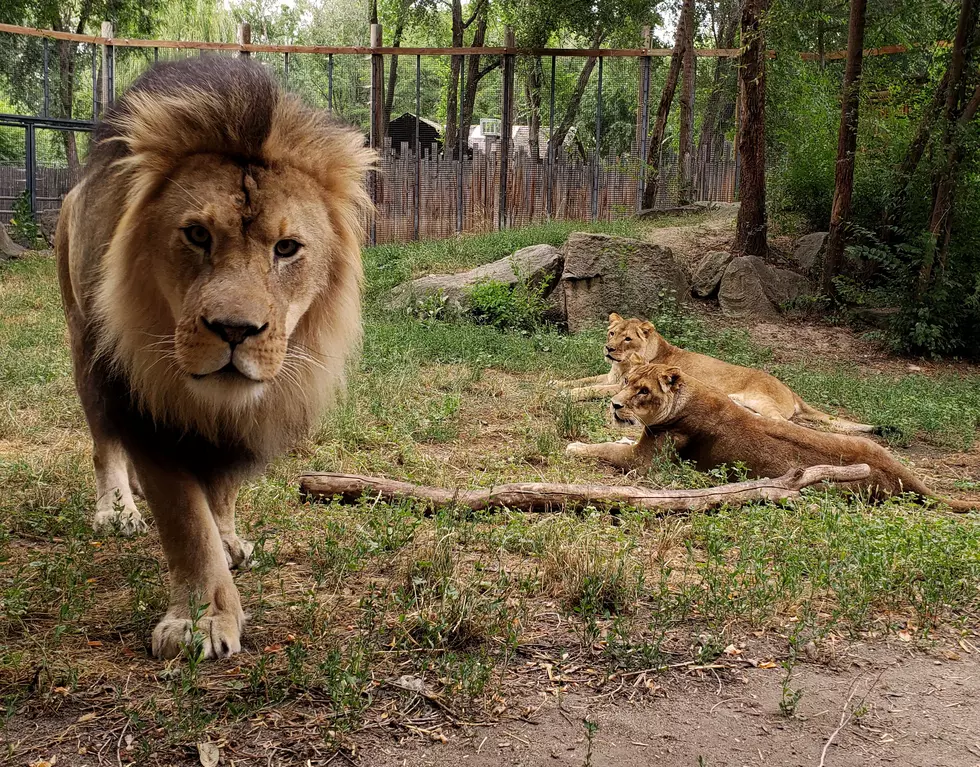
x=115, y=509
x=759, y=405
x=222, y=495
x=594, y=392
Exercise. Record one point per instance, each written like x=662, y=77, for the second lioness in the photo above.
x=707, y=428
x=753, y=389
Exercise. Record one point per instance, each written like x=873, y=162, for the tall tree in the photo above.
x=685, y=142
x=957, y=111
x=460, y=24
x=575, y=101
x=402, y=9
x=651, y=189
x=719, y=110
x=840, y=213
x=751, y=226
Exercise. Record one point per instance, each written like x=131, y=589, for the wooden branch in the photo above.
x=542, y=496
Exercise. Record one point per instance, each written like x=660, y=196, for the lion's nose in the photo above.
x=233, y=332
x=617, y=405
x=609, y=348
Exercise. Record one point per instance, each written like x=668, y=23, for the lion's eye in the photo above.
x=644, y=391
x=286, y=248
x=198, y=236
x=628, y=339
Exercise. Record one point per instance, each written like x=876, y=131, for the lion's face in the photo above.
x=242, y=253
x=650, y=394
x=630, y=336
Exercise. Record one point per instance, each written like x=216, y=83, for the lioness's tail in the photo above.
x=808, y=412
x=961, y=507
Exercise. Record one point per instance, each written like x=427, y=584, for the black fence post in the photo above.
x=30, y=147
x=285, y=70
x=417, y=196
x=47, y=90
x=644, y=118
x=550, y=170
x=95, y=83
x=461, y=144
x=505, y=125
x=596, y=156
x=377, y=132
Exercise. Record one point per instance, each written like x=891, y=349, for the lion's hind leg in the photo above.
x=622, y=454
x=758, y=404
x=115, y=508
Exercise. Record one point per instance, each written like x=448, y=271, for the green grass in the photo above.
x=346, y=598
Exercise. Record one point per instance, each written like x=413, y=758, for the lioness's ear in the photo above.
x=636, y=359
x=670, y=380
x=648, y=329
x=614, y=318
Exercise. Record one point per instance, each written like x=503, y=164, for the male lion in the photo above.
x=210, y=271
x=754, y=389
x=710, y=430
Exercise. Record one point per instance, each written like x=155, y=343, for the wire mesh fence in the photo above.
x=470, y=141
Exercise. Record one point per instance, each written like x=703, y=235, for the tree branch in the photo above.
x=540, y=496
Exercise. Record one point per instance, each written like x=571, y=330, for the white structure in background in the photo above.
x=486, y=136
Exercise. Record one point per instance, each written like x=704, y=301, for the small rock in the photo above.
x=742, y=293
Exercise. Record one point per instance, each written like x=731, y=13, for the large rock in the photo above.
x=8, y=248
x=533, y=265
x=606, y=274
x=47, y=222
x=751, y=288
x=708, y=275
x=809, y=250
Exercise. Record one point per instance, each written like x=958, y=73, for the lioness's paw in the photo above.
x=123, y=520
x=221, y=636
x=577, y=448
x=238, y=552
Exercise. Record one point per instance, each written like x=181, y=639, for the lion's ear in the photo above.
x=670, y=380
x=648, y=329
x=614, y=318
x=636, y=359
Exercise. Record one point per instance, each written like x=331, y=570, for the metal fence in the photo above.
x=547, y=135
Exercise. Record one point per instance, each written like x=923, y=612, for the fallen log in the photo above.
x=543, y=496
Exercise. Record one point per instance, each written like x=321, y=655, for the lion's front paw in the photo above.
x=111, y=516
x=577, y=448
x=238, y=552
x=220, y=635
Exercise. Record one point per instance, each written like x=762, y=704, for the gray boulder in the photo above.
x=809, y=250
x=47, y=222
x=532, y=265
x=742, y=294
x=605, y=274
x=708, y=275
x=752, y=288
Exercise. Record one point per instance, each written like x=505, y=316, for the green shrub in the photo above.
x=23, y=227
x=521, y=307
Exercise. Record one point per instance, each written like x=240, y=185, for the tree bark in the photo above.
x=751, y=234
x=953, y=116
x=685, y=148
x=720, y=107
x=396, y=42
x=651, y=190
x=543, y=497
x=571, y=110
x=840, y=212
x=532, y=92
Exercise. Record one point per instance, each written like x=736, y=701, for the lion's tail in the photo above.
x=808, y=412
x=960, y=507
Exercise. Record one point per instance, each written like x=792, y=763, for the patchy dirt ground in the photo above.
x=875, y=705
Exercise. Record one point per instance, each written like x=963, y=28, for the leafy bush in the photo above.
x=519, y=308
x=23, y=227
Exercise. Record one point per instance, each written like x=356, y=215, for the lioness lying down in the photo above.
x=710, y=430
x=754, y=389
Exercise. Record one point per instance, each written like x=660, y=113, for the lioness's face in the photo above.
x=649, y=395
x=242, y=253
x=629, y=336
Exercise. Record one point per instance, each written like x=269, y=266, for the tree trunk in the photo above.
x=720, y=108
x=750, y=237
x=532, y=91
x=955, y=114
x=474, y=74
x=66, y=80
x=396, y=42
x=840, y=213
x=571, y=110
x=544, y=497
x=685, y=148
x=651, y=189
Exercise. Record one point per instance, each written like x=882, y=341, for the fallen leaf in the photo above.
x=732, y=650
x=273, y=648
x=87, y=717
x=45, y=762
x=95, y=643
x=767, y=664
x=209, y=754
x=904, y=636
